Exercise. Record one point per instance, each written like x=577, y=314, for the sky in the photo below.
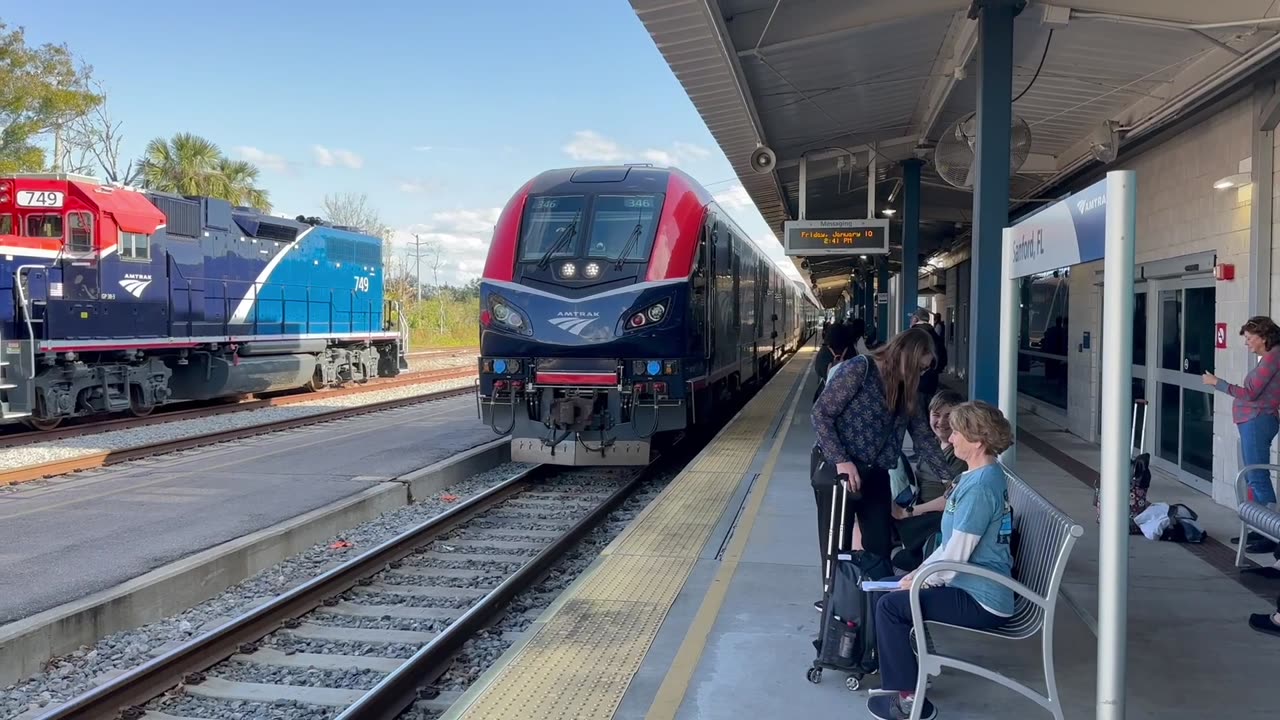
x=438, y=111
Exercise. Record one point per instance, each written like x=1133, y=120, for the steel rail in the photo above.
x=399, y=689
x=162, y=416
x=113, y=457
x=124, y=695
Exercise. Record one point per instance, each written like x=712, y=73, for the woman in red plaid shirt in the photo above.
x=1256, y=411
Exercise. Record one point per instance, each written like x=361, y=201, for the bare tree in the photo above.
x=354, y=210
x=437, y=259
x=91, y=144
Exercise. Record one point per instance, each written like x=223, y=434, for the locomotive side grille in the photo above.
x=182, y=217
x=271, y=231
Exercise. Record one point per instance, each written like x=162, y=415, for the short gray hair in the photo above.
x=921, y=315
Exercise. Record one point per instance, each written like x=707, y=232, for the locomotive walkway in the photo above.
x=734, y=640
x=68, y=538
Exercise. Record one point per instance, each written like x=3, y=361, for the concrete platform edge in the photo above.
x=434, y=478
x=26, y=644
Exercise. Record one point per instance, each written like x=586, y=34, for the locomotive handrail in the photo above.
x=26, y=313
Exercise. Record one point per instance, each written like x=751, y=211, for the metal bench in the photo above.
x=1046, y=536
x=1254, y=516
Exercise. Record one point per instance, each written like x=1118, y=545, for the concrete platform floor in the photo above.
x=65, y=538
x=1190, y=653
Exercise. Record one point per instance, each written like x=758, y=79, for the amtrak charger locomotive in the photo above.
x=622, y=304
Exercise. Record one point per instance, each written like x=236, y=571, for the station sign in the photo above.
x=810, y=238
x=1068, y=232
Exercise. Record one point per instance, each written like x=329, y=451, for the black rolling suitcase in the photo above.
x=846, y=639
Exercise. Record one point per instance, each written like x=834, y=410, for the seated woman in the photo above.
x=916, y=525
x=977, y=525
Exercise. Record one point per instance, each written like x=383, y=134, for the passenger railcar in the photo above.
x=619, y=304
x=116, y=299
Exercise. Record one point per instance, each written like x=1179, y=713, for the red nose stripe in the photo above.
x=565, y=378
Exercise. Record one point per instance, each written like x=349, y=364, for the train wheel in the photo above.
x=137, y=406
x=317, y=381
x=38, y=421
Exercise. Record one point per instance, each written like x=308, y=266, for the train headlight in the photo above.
x=647, y=316
x=507, y=315
x=591, y=271
x=568, y=270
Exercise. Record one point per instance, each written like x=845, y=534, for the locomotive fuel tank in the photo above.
x=207, y=376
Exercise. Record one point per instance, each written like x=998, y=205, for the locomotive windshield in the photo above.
x=623, y=226
x=545, y=221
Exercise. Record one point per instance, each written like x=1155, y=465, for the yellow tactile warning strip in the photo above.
x=580, y=662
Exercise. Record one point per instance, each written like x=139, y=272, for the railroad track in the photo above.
x=444, y=352
x=161, y=415
x=112, y=457
x=437, y=584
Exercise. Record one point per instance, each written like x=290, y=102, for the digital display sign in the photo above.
x=807, y=238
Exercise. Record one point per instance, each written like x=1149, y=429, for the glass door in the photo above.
x=1183, y=405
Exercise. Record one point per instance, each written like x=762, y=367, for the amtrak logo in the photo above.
x=135, y=284
x=574, y=322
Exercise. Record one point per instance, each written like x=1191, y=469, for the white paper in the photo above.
x=880, y=585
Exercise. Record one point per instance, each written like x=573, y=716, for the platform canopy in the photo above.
x=838, y=82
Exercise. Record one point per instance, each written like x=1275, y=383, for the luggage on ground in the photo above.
x=846, y=639
x=1139, y=471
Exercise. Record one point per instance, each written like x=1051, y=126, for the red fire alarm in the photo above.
x=1224, y=271
x=1220, y=336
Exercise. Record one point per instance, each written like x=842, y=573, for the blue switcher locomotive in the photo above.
x=113, y=299
x=621, y=304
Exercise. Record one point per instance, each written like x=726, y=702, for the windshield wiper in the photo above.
x=631, y=241
x=565, y=236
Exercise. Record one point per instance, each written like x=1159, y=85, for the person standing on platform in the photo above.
x=1256, y=412
x=861, y=419
x=977, y=528
x=929, y=381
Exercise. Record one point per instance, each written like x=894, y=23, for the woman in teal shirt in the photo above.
x=977, y=524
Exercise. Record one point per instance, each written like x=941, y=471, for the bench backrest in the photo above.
x=1045, y=538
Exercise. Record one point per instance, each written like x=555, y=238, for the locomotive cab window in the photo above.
x=623, y=226
x=6, y=224
x=550, y=225
x=135, y=246
x=44, y=225
x=79, y=232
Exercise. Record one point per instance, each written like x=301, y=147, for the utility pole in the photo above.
x=417, y=253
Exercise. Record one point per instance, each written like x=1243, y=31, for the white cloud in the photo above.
x=416, y=186
x=462, y=236
x=734, y=198
x=591, y=146
x=330, y=158
x=261, y=158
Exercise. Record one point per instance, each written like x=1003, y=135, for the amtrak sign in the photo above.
x=1069, y=232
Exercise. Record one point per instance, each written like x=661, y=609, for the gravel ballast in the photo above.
x=73, y=674
x=43, y=452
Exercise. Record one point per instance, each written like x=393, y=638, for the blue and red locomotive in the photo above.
x=622, y=303
x=115, y=299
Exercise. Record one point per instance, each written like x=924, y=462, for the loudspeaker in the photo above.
x=763, y=160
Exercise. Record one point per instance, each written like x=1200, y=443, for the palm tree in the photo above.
x=191, y=165
x=241, y=178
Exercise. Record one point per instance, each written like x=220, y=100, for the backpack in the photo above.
x=1139, y=484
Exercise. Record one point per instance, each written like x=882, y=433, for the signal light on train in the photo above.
x=637, y=320
x=568, y=270
x=592, y=270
